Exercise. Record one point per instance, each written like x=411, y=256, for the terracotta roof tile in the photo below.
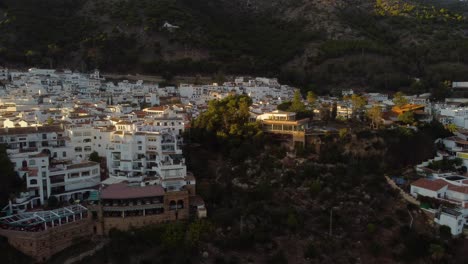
x=124, y=191
x=30, y=130
x=433, y=185
x=460, y=189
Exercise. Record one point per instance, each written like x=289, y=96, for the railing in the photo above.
x=132, y=207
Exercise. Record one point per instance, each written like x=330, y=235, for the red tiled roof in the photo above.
x=460, y=189
x=124, y=191
x=80, y=111
x=433, y=185
x=155, y=108
x=30, y=130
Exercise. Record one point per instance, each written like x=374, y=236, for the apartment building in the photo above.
x=44, y=158
x=138, y=154
x=285, y=123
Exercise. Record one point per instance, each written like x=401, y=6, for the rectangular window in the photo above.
x=44, y=136
x=64, y=154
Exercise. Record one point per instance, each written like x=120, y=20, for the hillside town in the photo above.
x=108, y=154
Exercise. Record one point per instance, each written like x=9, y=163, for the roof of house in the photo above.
x=124, y=191
x=460, y=189
x=155, y=108
x=407, y=107
x=30, y=130
x=433, y=185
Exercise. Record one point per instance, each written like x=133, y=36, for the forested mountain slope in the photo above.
x=317, y=44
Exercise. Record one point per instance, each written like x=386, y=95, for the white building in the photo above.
x=455, y=115
x=44, y=158
x=3, y=74
x=447, y=188
x=146, y=156
x=451, y=218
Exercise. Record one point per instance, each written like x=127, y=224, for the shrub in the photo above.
x=310, y=251
x=445, y=232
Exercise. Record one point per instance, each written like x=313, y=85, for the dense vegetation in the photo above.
x=10, y=182
x=267, y=207
x=225, y=126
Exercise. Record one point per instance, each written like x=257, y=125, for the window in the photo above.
x=87, y=148
x=32, y=182
x=32, y=162
x=78, y=149
x=140, y=147
x=64, y=154
x=44, y=136
x=74, y=175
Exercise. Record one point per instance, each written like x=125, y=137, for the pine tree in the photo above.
x=297, y=105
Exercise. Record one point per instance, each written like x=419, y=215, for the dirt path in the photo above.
x=403, y=194
x=88, y=253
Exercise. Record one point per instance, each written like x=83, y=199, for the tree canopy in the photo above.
x=399, y=99
x=311, y=97
x=297, y=105
x=10, y=182
x=407, y=117
x=225, y=126
x=375, y=115
x=94, y=156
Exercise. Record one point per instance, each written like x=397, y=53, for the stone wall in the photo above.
x=103, y=225
x=42, y=245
